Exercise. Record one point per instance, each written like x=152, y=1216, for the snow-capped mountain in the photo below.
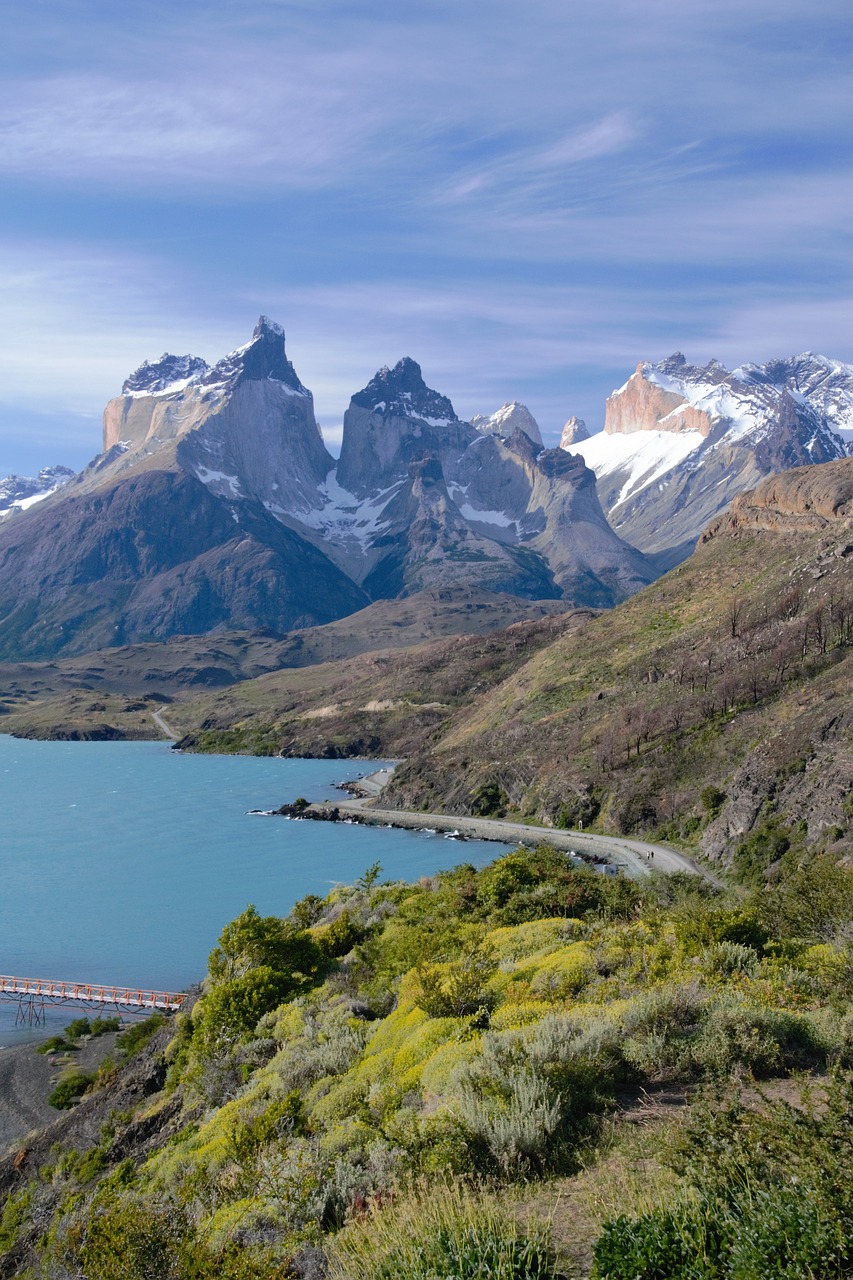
x=509, y=418
x=18, y=493
x=215, y=504
x=680, y=441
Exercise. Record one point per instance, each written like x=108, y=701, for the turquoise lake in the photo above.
x=121, y=862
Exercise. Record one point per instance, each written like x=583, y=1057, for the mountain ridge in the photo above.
x=680, y=441
x=418, y=500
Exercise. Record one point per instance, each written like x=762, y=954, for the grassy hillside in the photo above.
x=381, y=703
x=416, y=1079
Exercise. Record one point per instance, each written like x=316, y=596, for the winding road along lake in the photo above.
x=121, y=861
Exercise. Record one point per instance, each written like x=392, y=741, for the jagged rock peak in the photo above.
x=165, y=376
x=261, y=358
x=509, y=418
x=574, y=431
x=266, y=327
x=402, y=393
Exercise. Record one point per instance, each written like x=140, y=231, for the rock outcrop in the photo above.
x=805, y=499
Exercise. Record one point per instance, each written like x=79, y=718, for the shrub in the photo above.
x=55, y=1044
x=70, y=1089
x=456, y=989
x=441, y=1232
x=79, y=1027
x=138, y=1034
x=769, y=1197
x=489, y=801
x=497, y=883
x=103, y=1026
x=252, y=941
x=232, y=1010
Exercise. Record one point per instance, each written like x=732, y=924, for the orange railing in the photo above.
x=92, y=992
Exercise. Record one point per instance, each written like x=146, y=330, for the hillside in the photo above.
x=528, y=1071
x=713, y=705
x=112, y=692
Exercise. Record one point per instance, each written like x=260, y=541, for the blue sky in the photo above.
x=526, y=196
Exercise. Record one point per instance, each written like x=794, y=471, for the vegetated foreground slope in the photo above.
x=507, y=1026
x=713, y=706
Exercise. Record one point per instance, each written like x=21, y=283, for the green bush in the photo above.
x=668, y=1245
x=138, y=1034
x=457, y=989
x=70, y=1089
x=232, y=1010
x=55, y=1044
x=769, y=1197
x=252, y=941
x=79, y=1027
x=103, y=1026
x=489, y=801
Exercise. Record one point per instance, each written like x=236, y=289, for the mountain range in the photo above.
x=215, y=505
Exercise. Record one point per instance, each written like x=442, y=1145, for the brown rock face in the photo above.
x=642, y=405
x=806, y=499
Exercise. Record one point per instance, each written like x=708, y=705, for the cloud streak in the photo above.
x=526, y=201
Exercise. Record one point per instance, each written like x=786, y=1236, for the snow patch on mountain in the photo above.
x=643, y=456
x=478, y=515
x=19, y=493
x=345, y=519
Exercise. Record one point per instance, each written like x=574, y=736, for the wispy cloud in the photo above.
x=605, y=137
x=527, y=200
x=255, y=130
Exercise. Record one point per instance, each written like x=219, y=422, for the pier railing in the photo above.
x=90, y=993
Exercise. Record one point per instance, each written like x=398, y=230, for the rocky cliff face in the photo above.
x=681, y=441
x=645, y=403
x=805, y=499
x=244, y=427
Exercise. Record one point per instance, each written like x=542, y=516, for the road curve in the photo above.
x=163, y=727
x=635, y=857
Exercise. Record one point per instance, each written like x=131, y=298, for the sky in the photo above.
x=526, y=196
